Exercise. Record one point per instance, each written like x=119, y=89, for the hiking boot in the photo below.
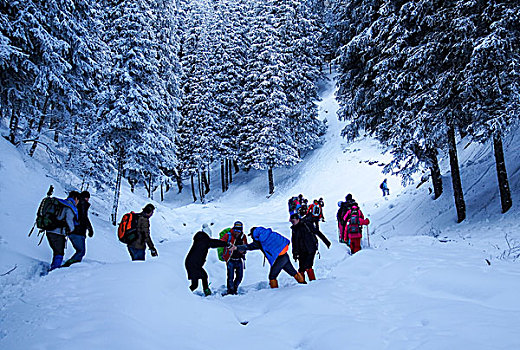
x=207, y=292
x=273, y=283
x=300, y=278
x=69, y=262
x=310, y=273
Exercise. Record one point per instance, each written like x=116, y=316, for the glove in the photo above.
x=295, y=257
x=154, y=252
x=90, y=233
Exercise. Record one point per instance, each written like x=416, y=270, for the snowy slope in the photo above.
x=410, y=291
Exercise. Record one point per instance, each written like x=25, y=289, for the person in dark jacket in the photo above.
x=344, y=207
x=79, y=235
x=234, y=260
x=57, y=237
x=137, y=248
x=275, y=248
x=305, y=244
x=196, y=258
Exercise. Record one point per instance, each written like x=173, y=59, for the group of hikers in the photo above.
x=59, y=219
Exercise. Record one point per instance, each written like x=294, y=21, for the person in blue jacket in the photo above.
x=275, y=248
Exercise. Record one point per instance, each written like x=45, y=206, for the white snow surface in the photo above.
x=424, y=282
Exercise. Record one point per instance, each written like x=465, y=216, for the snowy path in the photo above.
x=408, y=292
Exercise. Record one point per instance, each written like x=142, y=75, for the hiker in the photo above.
x=384, y=186
x=66, y=221
x=315, y=213
x=137, y=248
x=354, y=221
x=275, y=248
x=79, y=235
x=304, y=207
x=197, y=257
x=294, y=205
x=234, y=259
x=305, y=244
x=344, y=207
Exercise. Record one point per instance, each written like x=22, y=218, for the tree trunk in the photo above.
x=503, y=183
x=178, y=180
x=271, y=180
x=226, y=166
x=13, y=126
x=201, y=192
x=222, y=174
x=230, y=171
x=192, y=188
x=40, y=125
x=162, y=192
x=117, y=190
x=150, y=185
x=435, y=172
x=205, y=183
x=460, y=205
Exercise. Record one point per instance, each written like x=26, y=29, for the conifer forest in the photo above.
x=158, y=92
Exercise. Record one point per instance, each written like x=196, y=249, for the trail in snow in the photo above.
x=408, y=292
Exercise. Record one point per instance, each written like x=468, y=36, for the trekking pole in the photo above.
x=30, y=233
x=368, y=237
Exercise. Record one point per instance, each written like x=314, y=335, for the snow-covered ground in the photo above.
x=423, y=284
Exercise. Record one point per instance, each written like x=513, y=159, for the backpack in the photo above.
x=220, y=250
x=353, y=224
x=316, y=210
x=127, y=230
x=293, y=203
x=48, y=212
x=381, y=186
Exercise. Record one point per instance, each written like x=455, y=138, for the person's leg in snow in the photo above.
x=57, y=244
x=78, y=242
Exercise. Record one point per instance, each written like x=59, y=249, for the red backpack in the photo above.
x=127, y=230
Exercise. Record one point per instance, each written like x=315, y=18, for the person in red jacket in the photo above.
x=234, y=259
x=315, y=213
x=354, y=221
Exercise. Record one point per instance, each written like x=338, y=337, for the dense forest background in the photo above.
x=157, y=91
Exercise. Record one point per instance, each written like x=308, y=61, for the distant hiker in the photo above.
x=275, y=248
x=354, y=221
x=79, y=235
x=304, y=207
x=315, y=213
x=344, y=207
x=137, y=248
x=384, y=187
x=66, y=221
x=234, y=259
x=294, y=205
x=197, y=257
x=305, y=244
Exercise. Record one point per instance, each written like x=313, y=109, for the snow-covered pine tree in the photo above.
x=490, y=84
x=265, y=140
x=300, y=32
x=198, y=134
x=135, y=119
x=228, y=47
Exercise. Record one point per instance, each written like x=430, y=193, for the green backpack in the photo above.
x=220, y=250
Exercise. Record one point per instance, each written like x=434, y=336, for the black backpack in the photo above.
x=48, y=212
x=353, y=224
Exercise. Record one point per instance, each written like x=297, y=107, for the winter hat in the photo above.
x=238, y=226
x=205, y=228
x=348, y=197
x=295, y=216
